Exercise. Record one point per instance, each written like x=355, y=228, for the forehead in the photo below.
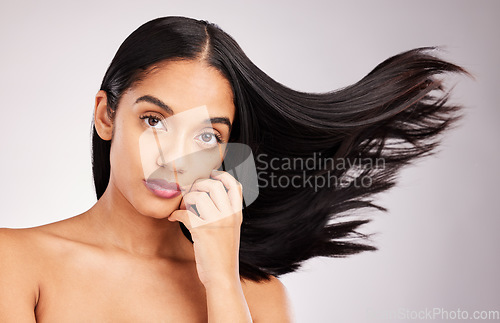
x=184, y=85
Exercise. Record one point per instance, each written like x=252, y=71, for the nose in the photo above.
x=172, y=155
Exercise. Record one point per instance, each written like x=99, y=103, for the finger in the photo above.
x=217, y=192
x=204, y=205
x=234, y=189
x=182, y=205
x=188, y=218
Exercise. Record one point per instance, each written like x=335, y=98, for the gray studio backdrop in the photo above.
x=439, y=243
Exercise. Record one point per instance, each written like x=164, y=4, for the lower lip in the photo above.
x=163, y=193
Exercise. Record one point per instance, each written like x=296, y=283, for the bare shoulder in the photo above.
x=23, y=252
x=17, y=245
x=268, y=301
x=19, y=275
x=16, y=237
x=25, y=256
x=37, y=245
x=20, y=252
x=30, y=241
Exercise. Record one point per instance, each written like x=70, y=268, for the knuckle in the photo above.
x=187, y=197
x=220, y=185
x=198, y=181
x=204, y=196
x=226, y=176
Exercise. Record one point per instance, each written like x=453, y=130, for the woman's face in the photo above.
x=170, y=129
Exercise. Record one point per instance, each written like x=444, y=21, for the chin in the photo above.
x=158, y=209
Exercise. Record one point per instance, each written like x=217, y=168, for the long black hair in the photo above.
x=360, y=136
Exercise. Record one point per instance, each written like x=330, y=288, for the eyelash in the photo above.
x=217, y=136
x=151, y=116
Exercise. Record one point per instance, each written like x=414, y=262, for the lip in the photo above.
x=162, y=188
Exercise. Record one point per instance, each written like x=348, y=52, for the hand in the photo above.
x=216, y=232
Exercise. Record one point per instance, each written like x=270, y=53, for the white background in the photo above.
x=439, y=242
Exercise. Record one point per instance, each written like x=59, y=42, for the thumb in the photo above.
x=182, y=206
x=188, y=218
x=178, y=216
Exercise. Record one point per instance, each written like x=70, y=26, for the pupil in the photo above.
x=207, y=136
x=152, y=121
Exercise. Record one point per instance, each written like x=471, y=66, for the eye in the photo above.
x=153, y=122
x=209, y=139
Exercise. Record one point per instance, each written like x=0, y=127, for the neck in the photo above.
x=119, y=225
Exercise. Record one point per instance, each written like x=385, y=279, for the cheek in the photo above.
x=148, y=153
x=198, y=165
x=124, y=155
x=204, y=161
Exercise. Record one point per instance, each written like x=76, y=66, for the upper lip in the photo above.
x=164, y=184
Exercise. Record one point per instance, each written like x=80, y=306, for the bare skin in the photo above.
x=126, y=259
x=61, y=275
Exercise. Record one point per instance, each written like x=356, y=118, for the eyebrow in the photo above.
x=162, y=105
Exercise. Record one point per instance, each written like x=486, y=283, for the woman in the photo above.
x=170, y=240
